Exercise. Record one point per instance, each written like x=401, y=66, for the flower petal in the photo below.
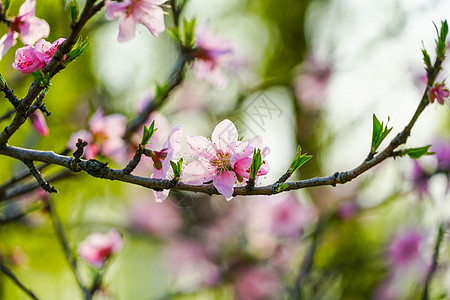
x=225, y=136
x=127, y=28
x=201, y=147
x=224, y=183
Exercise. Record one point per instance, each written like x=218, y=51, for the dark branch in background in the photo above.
x=61, y=235
x=35, y=89
x=16, y=280
x=7, y=115
x=434, y=263
x=24, y=189
x=9, y=94
x=308, y=260
x=175, y=79
x=44, y=184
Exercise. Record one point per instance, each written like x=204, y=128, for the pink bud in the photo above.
x=39, y=124
x=97, y=248
x=44, y=50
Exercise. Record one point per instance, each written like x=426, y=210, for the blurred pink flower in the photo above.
x=147, y=12
x=45, y=50
x=223, y=159
x=211, y=54
x=160, y=219
x=442, y=150
x=439, y=93
x=104, y=136
x=257, y=283
x=39, y=124
x=311, y=85
x=163, y=157
x=26, y=60
x=404, y=248
x=97, y=248
x=289, y=217
x=27, y=26
x=187, y=260
x=347, y=210
x=420, y=179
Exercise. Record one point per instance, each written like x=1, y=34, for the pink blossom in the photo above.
x=289, y=217
x=26, y=60
x=257, y=283
x=420, y=179
x=97, y=248
x=45, y=51
x=39, y=124
x=160, y=219
x=212, y=53
x=104, y=136
x=439, y=93
x=190, y=263
x=163, y=158
x=147, y=12
x=347, y=210
x=404, y=248
x=311, y=85
x=27, y=26
x=223, y=159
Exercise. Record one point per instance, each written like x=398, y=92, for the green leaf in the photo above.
x=426, y=59
x=2, y=82
x=176, y=168
x=78, y=49
x=147, y=134
x=189, y=33
x=379, y=133
x=74, y=11
x=282, y=187
x=441, y=43
x=6, y=4
x=161, y=91
x=299, y=160
x=41, y=78
x=416, y=153
x=256, y=164
x=175, y=33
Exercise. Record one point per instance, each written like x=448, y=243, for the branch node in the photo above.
x=97, y=168
x=73, y=164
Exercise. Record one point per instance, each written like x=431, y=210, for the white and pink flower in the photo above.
x=212, y=54
x=131, y=12
x=97, y=248
x=223, y=159
x=163, y=157
x=26, y=26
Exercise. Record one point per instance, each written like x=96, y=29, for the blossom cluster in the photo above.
x=31, y=58
x=26, y=26
x=224, y=160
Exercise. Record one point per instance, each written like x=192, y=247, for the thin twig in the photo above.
x=434, y=263
x=23, y=189
x=61, y=235
x=7, y=115
x=16, y=280
x=38, y=176
x=308, y=260
x=25, y=174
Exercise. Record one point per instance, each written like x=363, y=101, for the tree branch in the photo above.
x=16, y=280
x=434, y=264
